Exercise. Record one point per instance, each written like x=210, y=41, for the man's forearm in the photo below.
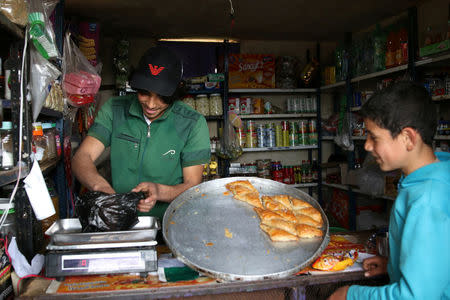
x=167, y=193
x=85, y=171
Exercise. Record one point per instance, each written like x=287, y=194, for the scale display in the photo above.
x=102, y=262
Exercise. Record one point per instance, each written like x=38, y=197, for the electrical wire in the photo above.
x=19, y=173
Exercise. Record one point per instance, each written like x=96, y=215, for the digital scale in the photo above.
x=72, y=253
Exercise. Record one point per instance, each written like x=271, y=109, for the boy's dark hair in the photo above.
x=403, y=104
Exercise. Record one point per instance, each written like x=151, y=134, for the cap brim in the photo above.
x=141, y=82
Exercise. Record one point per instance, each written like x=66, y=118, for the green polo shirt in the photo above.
x=150, y=153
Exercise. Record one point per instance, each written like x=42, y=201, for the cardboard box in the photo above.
x=251, y=71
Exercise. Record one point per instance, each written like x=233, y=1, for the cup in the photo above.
x=382, y=240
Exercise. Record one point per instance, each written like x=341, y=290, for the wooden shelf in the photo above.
x=262, y=149
x=273, y=91
x=346, y=188
x=278, y=116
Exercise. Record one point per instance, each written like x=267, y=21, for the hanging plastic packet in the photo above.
x=41, y=32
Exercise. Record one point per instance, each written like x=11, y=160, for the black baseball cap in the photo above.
x=159, y=71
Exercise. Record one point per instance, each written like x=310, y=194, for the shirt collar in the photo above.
x=136, y=110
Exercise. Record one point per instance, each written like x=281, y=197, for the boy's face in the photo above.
x=390, y=153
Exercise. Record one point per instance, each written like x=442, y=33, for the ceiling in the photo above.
x=325, y=20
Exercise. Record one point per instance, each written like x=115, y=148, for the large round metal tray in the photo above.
x=220, y=237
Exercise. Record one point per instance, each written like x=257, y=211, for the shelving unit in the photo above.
x=278, y=116
x=347, y=188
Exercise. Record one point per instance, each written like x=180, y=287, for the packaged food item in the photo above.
x=258, y=106
x=202, y=104
x=251, y=71
x=189, y=100
x=215, y=105
x=245, y=105
x=49, y=135
x=234, y=105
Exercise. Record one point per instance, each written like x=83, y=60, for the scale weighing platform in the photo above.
x=138, y=257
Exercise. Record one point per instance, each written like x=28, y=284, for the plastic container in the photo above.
x=9, y=227
x=49, y=134
x=7, y=146
x=40, y=147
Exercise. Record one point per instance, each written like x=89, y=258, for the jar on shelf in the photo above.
x=7, y=146
x=189, y=100
x=40, y=147
x=215, y=105
x=49, y=134
x=202, y=104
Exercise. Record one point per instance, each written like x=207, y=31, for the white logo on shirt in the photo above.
x=171, y=152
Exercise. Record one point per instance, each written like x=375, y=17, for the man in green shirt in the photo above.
x=158, y=145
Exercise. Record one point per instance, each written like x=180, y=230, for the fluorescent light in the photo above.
x=199, y=40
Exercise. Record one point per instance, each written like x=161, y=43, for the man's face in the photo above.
x=152, y=105
x=390, y=153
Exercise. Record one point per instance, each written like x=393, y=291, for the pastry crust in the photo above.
x=298, y=204
x=240, y=186
x=281, y=224
x=282, y=199
x=304, y=219
x=306, y=231
x=311, y=212
x=265, y=214
x=269, y=203
x=251, y=198
x=278, y=235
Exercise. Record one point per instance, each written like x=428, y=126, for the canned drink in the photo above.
x=313, y=138
x=313, y=104
x=303, y=133
x=293, y=139
x=285, y=138
x=297, y=105
x=302, y=126
x=312, y=126
x=270, y=138
x=308, y=105
x=251, y=139
x=303, y=105
x=292, y=127
x=285, y=125
x=289, y=105
x=279, y=135
x=250, y=125
x=260, y=132
x=240, y=137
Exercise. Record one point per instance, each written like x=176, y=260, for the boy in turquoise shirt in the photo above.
x=401, y=123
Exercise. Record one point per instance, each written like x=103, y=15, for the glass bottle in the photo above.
x=49, y=135
x=7, y=146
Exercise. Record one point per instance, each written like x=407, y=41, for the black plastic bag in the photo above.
x=99, y=211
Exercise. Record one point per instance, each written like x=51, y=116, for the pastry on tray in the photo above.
x=282, y=217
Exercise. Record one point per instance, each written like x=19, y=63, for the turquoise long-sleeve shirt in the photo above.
x=419, y=231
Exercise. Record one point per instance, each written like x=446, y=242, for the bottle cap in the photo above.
x=6, y=125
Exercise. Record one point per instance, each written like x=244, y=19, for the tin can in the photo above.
x=270, y=136
x=303, y=108
x=313, y=104
x=290, y=105
x=240, y=137
x=260, y=133
x=245, y=105
x=302, y=133
x=279, y=135
x=312, y=126
x=251, y=139
x=297, y=105
x=285, y=138
x=233, y=105
x=313, y=138
x=251, y=125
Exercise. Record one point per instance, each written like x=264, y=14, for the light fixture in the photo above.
x=197, y=40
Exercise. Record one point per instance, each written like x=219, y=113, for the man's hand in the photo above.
x=376, y=265
x=339, y=294
x=152, y=190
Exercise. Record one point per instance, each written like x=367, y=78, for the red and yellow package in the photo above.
x=247, y=71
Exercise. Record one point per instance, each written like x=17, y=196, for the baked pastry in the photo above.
x=240, y=186
x=282, y=199
x=297, y=204
x=265, y=214
x=306, y=231
x=278, y=235
x=304, y=219
x=250, y=197
x=281, y=224
x=269, y=203
x=311, y=212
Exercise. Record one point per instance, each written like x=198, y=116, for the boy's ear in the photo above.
x=411, y=137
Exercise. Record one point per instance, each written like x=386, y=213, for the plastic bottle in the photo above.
x=49, y=135
x=391, y=48
x=379, y=45
x=7, y=146
x=402, y=52
x=8, y=66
